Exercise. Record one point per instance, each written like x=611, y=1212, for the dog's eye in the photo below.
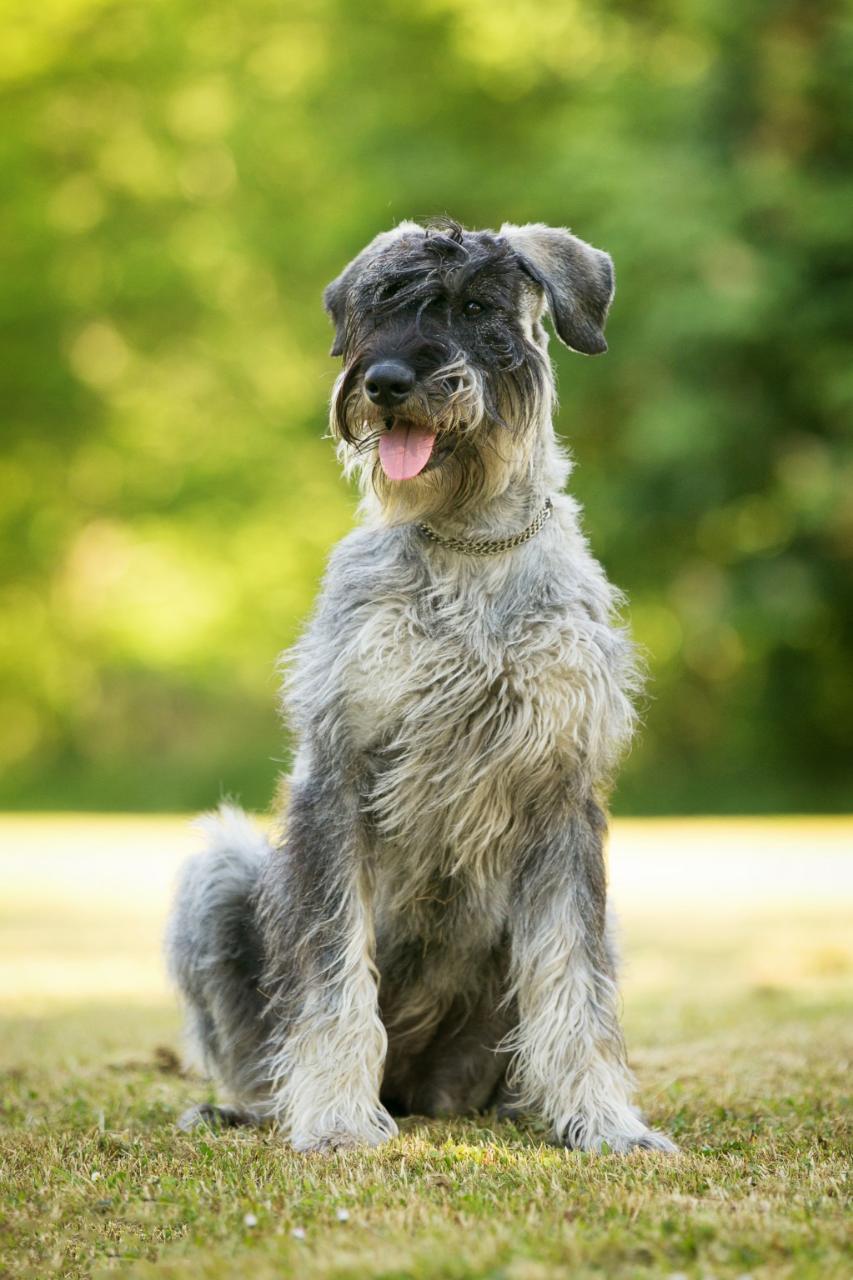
x=389, y=289
x=472, y=308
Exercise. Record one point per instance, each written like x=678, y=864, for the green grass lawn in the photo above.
x=737, y=1016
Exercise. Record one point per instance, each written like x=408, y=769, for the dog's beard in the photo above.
x=476, y=436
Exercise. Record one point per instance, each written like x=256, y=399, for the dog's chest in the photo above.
x=466, y=715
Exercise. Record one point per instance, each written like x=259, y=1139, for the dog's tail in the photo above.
x=214, y=951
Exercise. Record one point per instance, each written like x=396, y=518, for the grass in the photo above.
x=737, y=1015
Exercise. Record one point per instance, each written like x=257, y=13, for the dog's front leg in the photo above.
x=569, y=1061
x=328, y=1042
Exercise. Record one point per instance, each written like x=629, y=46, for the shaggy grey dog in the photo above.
x=429, y=933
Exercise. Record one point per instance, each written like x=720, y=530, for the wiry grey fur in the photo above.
x=429, y=933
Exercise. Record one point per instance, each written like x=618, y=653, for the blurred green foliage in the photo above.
x=182, y=177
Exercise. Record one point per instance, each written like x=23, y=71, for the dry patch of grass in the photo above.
x=94, y=1176
x=739, y=1028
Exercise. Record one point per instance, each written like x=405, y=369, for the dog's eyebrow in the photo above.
x=421, y=289
x=496, y=270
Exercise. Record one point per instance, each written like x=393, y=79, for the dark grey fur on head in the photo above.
x=428, y=931
x=443, y=259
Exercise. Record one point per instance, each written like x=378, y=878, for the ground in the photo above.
x=737, y=981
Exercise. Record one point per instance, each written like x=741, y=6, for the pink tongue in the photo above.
x=405, y=450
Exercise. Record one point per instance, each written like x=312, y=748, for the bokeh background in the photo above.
x=181, y=178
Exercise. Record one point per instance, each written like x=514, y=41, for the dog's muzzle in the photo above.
x=388, y=382
x=405, y=447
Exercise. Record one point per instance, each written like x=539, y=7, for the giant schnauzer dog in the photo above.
x=428, y=932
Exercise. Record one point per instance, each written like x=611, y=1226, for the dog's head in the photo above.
x=446, y=376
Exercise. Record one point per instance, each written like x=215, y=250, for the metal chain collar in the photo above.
x=490, y=546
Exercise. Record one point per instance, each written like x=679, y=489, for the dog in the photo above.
x=428, y=934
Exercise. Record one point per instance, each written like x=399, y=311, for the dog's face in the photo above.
x=446, y=375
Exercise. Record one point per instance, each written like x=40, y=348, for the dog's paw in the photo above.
x=580, y=1134
x=208, y=1116
x=345, y=1134
x=648, y=1140
x=508, y=1104
x=510, y=1111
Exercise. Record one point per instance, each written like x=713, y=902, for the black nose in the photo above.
x=388, y=382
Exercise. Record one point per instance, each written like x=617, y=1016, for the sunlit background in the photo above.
x=182, y=178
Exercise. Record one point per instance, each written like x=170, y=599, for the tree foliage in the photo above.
x=183, y=177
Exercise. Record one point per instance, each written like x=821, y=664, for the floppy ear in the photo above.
x=335, y=301
x=577, y=281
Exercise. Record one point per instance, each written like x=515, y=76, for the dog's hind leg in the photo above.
x=209, y=1115
x=569, y=1053
x=215, y=958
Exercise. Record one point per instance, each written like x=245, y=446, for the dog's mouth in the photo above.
x=405, y=448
